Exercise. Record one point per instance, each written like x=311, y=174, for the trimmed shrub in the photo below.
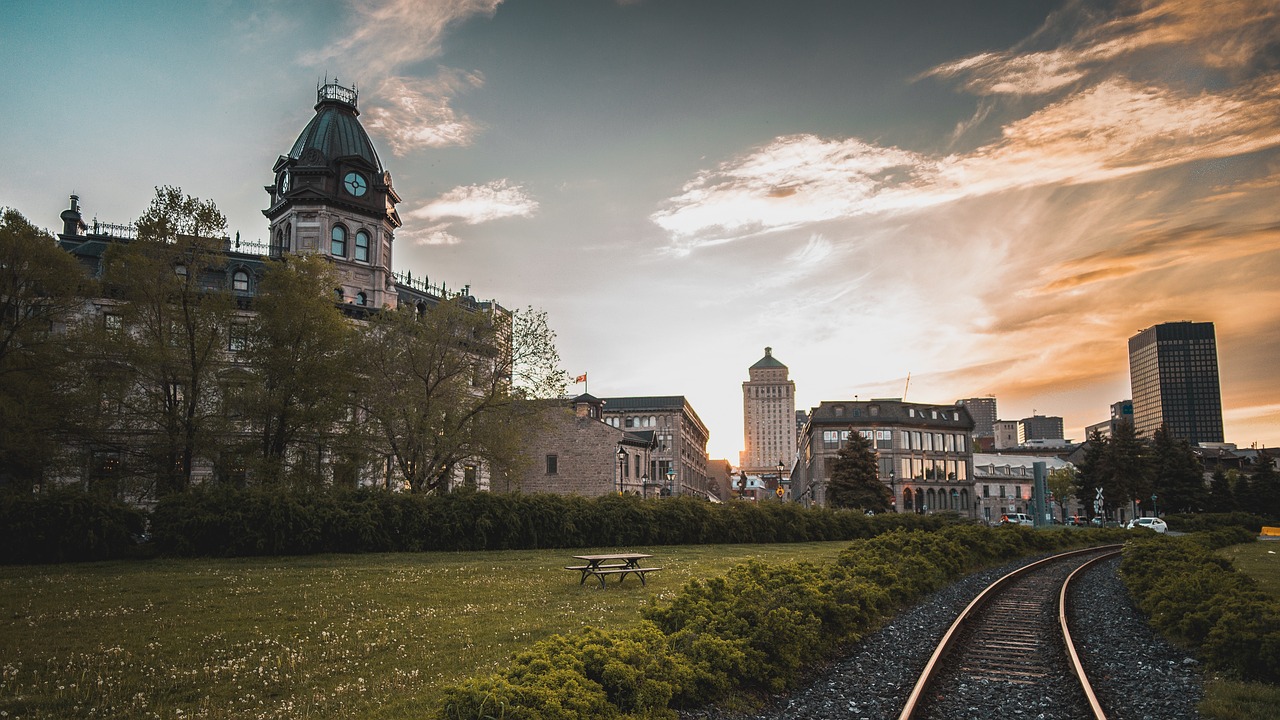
x=67, y=526
x=1202, y=522
x=1198, y=599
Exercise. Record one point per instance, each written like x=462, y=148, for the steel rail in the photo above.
x=948, y=640
x=1077, y=668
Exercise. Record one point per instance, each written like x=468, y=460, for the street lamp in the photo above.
x=622, y=458
x=781, y=467
x=671, y=479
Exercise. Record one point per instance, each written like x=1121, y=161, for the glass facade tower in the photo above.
x=1173, y=368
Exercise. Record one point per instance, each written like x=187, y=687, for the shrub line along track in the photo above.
x=1004, y=643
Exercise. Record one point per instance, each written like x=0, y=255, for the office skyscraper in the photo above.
x=769, y=417
x=1173, y=368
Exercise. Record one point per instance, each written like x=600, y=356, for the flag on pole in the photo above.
x=580, y=379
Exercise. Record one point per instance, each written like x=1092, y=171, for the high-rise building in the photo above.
x=768, y=417
x=1041, y=427
x=1173, y=369
x=983, y=412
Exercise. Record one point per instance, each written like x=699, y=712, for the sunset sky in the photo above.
x=990, y=196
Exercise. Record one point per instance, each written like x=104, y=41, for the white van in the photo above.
x=1016, y=519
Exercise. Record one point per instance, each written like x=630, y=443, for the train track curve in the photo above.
x=1011, y=644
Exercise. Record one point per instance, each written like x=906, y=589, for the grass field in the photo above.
x=372, y=636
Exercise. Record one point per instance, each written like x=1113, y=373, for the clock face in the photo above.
x=284, y=183
x=355, y=183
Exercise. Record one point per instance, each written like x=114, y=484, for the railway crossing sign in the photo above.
x=1097, y=503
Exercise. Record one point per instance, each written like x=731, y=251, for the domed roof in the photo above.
x=335, y=130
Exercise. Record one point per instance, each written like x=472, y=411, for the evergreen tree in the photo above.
x=1178, y=476
x=1265, y=485
x=1130, y=470
x=1221, y=498
x=1094, y=472
x=855, y=477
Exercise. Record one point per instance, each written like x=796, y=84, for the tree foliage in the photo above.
x=1177, y=475
x=855, y=477
x=297, y=371
x=39, y=290
x=164, y=357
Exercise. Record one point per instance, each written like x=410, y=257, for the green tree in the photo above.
x=439, y=395
x=297, y=374
x=1221, y=497
x=1130, y=467
x=535, y=360
x=1177, y=475
x=1094, y=472
x=40, y=289
x=1062, y=483
x=855, y=477
x=171, y=342
x=1264, y=487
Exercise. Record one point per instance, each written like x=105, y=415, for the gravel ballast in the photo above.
x=1136, y=673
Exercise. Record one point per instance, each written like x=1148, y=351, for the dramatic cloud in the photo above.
x=473, y=204
x=1110, y=131
x=389, y=36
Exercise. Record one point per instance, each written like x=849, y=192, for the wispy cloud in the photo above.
x=388, y=37
x=1220, y=34
x=1111, y=130
x=473, y=204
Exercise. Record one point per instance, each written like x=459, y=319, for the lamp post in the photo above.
x=622, y=458
x=893, y=489
x=781, y=467
x=671, y=479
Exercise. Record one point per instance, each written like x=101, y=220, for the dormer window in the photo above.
x=362, y=299
x=240, y=281
x=337, y=295
x=338, y=242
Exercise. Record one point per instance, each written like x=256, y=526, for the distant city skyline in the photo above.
x=988, y=197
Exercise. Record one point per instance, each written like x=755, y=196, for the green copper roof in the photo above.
x=768, y=361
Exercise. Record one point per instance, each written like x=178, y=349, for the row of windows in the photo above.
x=240, y=278
x=908, y=440
x=338, y=244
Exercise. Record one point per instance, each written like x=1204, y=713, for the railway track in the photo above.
x=1009, y=646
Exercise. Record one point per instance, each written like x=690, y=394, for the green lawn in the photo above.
x=1260, y=560
x=305, y=637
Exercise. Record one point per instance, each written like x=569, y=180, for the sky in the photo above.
x=922, y=199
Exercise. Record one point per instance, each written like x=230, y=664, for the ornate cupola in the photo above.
x=332, y=197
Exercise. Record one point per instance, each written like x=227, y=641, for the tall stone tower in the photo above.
x=769, y=417
x=331, y=197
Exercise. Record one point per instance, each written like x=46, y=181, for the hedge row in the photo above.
x=755, y=629
x=71, y=526
x=264, y=522
x=1197, y=598
x=66, y=526
x=1201, y=522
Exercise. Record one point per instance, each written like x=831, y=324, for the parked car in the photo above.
x=1016, y=519
x=1078, y=521
x=1150, y=523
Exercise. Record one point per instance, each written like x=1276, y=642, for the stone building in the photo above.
x=924, y=452
x=680, y=459
x=768, y=416
x=570, y=450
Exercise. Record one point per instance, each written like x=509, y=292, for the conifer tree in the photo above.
x=855, y=477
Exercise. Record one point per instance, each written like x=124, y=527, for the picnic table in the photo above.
x=620, y=564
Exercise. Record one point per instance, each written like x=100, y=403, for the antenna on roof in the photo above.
x=904, y=387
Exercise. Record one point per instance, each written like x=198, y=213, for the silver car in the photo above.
x=1150, y=523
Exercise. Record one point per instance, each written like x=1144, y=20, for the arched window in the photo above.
x=337, y=294
x=362, y=246
x=240, y=280
x=338, y=242
x=422, y=308
x=362, y=299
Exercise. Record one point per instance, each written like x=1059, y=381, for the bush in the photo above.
x=756, y=629
x=1198, y=599
x=67, y=526
x=1202, y=522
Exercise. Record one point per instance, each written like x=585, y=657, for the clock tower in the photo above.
x=331, y=197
